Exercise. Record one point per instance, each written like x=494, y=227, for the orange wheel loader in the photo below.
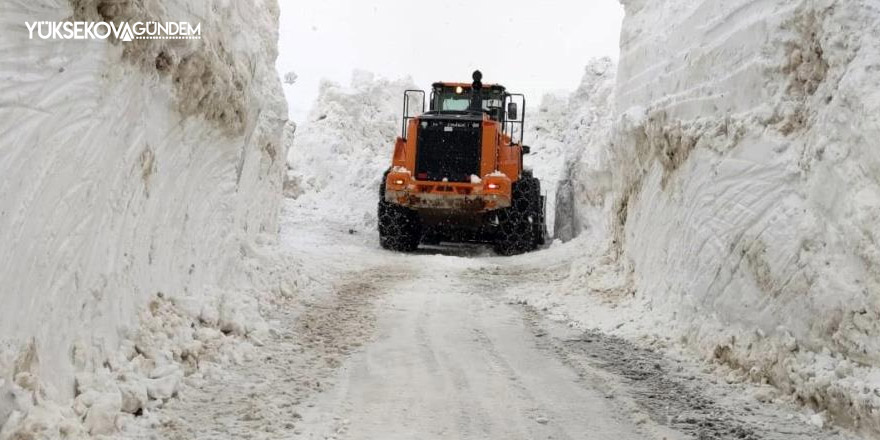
x=457, y=173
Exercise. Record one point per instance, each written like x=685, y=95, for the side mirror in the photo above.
x=512, y=111
x=526, y=149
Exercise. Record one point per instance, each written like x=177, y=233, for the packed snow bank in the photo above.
x=581, y=125
x=742, y=179
x=133, y=172
x=546, y=133
x=339, y=155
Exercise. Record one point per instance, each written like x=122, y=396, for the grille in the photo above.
x=448, y=150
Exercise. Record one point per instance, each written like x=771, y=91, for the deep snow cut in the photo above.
x=719, y=188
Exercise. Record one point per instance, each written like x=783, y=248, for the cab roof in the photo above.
x=467, y=85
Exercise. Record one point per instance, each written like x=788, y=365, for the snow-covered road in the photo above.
x=450, y=361
x=429, y=346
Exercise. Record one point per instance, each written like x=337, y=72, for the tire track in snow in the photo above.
x=645, y=383
x=451, y=362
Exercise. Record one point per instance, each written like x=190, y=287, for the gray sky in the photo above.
x=533, y=47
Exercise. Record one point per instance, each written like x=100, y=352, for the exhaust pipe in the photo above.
x=477, y=92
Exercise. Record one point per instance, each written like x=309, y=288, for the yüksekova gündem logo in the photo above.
x=101, y=30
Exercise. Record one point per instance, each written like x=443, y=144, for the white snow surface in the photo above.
x=136, y=179
x=571, y=136
x=341, y=152
x=735, y=207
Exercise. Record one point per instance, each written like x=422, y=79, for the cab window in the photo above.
x=455, y=103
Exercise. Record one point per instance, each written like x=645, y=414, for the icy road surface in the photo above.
x=428, y=346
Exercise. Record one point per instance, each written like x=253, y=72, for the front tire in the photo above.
x=400, y=229
x=518, y=224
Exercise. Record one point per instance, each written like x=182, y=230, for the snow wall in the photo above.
x=740, y=189
x=130, y=171
x=581, y=124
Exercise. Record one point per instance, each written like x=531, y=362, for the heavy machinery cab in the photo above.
x=458, y=97
x=461, y=100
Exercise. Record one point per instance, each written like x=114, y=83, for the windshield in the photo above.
x=450, y=100
x=455, y=103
